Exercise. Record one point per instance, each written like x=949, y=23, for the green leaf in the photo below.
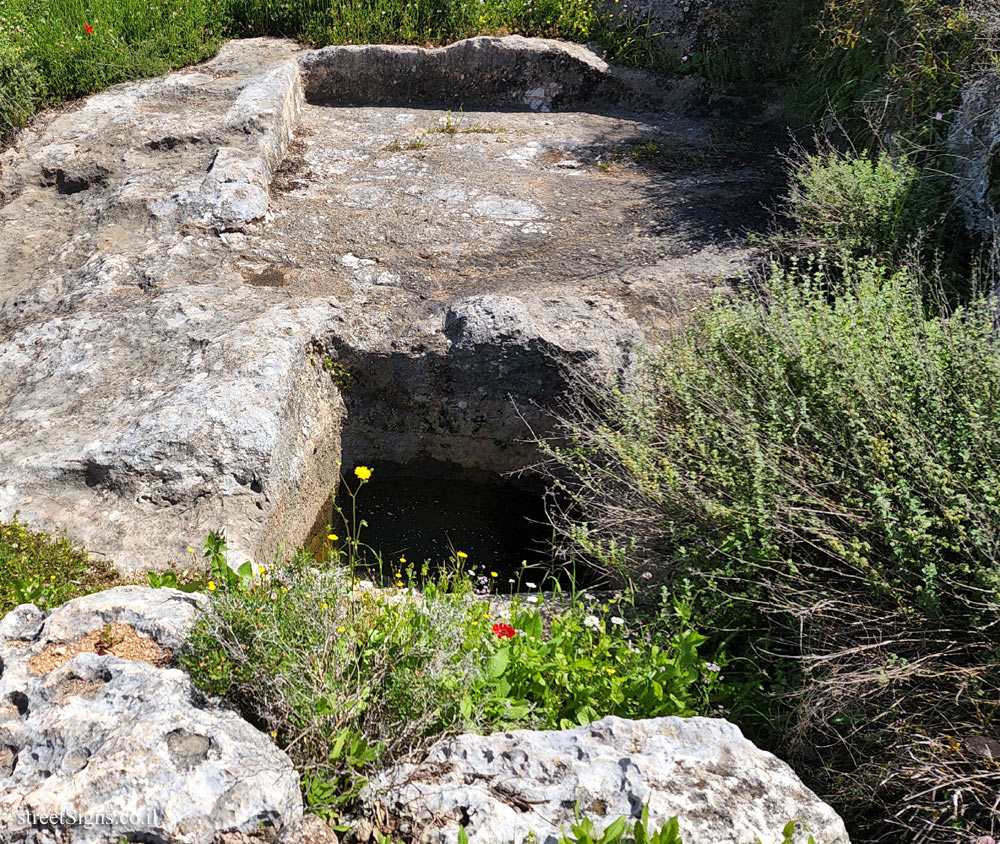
x=497, y=664
x=614, y=832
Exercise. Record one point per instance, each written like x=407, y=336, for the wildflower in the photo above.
x=274, y=733
x=592, y=621
x=531, y=585
x=366, y=584
x=504, y=631
x=711, y=666
x=332, y=537
x=494, y=574
x=52, y=577
x=646, y=575
x=399, y=575
x=938, y=116
x=326, y=606
x=341, y=629
x=211, y=586
x=190, y=550
x=618, y=620
x=532, y=599
x=402, y=559
x=461, y=555
x=88, y=29
x=363, y=473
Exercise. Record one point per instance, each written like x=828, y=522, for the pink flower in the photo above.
x=938, y=116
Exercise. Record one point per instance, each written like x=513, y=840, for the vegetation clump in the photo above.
x=349, y=677
x=44, y=570
x=815, y=466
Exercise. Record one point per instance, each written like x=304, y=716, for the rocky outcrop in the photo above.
x=974, y=143
x=215, y=291
x=513, y=72
x=101, y=739
x=503, y=787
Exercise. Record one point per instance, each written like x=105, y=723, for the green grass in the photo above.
x=46, y=570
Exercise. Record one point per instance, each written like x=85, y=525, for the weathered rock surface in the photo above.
x=214, y=289
x=974, y=143
x=98, y=740
x=502, y=787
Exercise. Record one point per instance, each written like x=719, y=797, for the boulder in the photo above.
x=504, y=787
x=101, y=739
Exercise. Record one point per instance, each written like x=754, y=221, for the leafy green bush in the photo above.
x=21, y=87
x=345, y=675
x=862, y=205
x=44, y=570
x=818, y=465
x=588, y=666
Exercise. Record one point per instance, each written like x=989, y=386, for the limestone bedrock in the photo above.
x=216, y=282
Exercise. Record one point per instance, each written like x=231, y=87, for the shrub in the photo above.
x=347, y=676
x=818, y=466
x=21, y=88
x=858, y=204
x=44, y=570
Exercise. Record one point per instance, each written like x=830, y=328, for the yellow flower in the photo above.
x=494, y=574
x=461, y=555
x=341, y=629
x=274, y=733
x=326, y=606
x=190, y=550
x=52, y=577
x=211, y=586
x=402, y=559
x=399, y=575
x=363, y=472
x=332, y=537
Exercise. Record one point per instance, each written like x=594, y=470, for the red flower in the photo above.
x=88, y=29
x=504, y=631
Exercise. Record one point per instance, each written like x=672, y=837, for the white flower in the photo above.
x=592, y=621
x=531, y=585
x=711, y=666
x=532, y=599
x=617, y=620
x=365, y=584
